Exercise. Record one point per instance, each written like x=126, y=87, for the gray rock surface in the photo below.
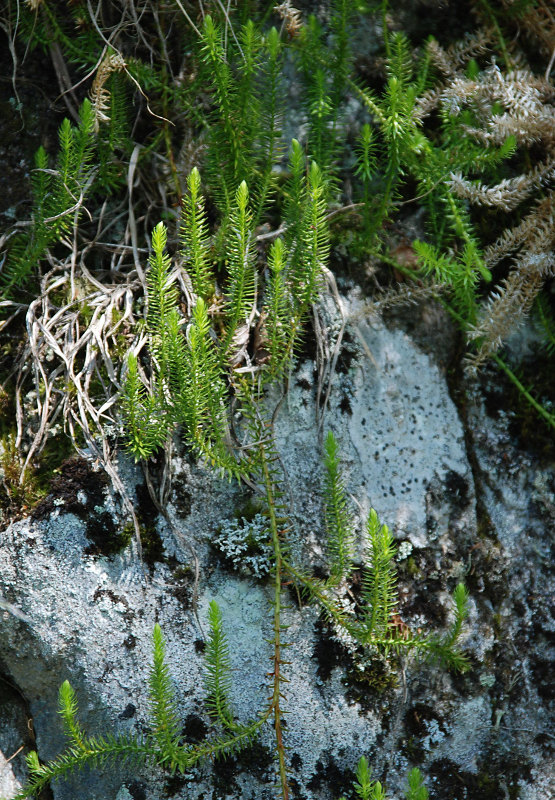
x=9, y=785
x=463, y=500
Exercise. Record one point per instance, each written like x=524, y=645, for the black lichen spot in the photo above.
x=320, y=573
x=200, y=645
x=543, y=670
x=421, y=596
x=498, y=781
x=115, y=598
x=174, y=784
x=327, y=651
x=137, y=790
x=296, y=762
x=426, y=603
x=457, y=489
x=224, y=775
x=488, y=571
x=77, y=489
x=296, y=792
x=331, y=776
x=130, y=642
x=74, y=475
x=299, y=596
x=128, y=614
x=369, y=679
x=147, y=509
x=182, y=498
x=105, y=536
x=256, y=759
x=545, y=741
x=365, y=678
x=417, y=720
x=183, y=595
x=195, y=729
x=152, y=545
x=349, y=351
x=128, y=712
x=248, y=508
x=182, y=579
x=345, y=405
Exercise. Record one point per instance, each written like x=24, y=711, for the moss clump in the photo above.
x=374, y=674
x=18, y=493
x=151, y=543
x=105, y=536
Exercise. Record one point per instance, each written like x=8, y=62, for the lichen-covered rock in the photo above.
x=461, y=500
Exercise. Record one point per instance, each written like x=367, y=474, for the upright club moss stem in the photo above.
x=277, y=677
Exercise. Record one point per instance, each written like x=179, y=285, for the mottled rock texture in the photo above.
x=462, y=498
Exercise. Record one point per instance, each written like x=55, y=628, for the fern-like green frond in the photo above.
x=399, y=62
x=57, y=198
x=95, y=752
x=162, y=292
x=342, y=12
x=40, y=184
x=294, y=199
x=113, y=140
x=363, y=785
x=365, y=788
x=65, y=159
x=312, y=55
x=76, y=147
x=320, y=110
x=416, y=789
x=325, y=65
x=176, y=352
x=276, y=310
x=147, y=425
x=366, y=155
x=306, y=278
x=461, y=274
x=248, y=107
x=164, y=720
x=270, y=117
x=225, y=152
x=202, y=401
x=83, y=141
x=217, y=679
x=460, y=603
x=241, y=289
x=445, y=649
x=399, y=125
x=194, y=237
x=68, y=711
x=166, y=339
x=379, y=581
x=228, y=744
x=295, y=269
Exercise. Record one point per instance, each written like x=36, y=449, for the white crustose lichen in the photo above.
x=245, y=543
